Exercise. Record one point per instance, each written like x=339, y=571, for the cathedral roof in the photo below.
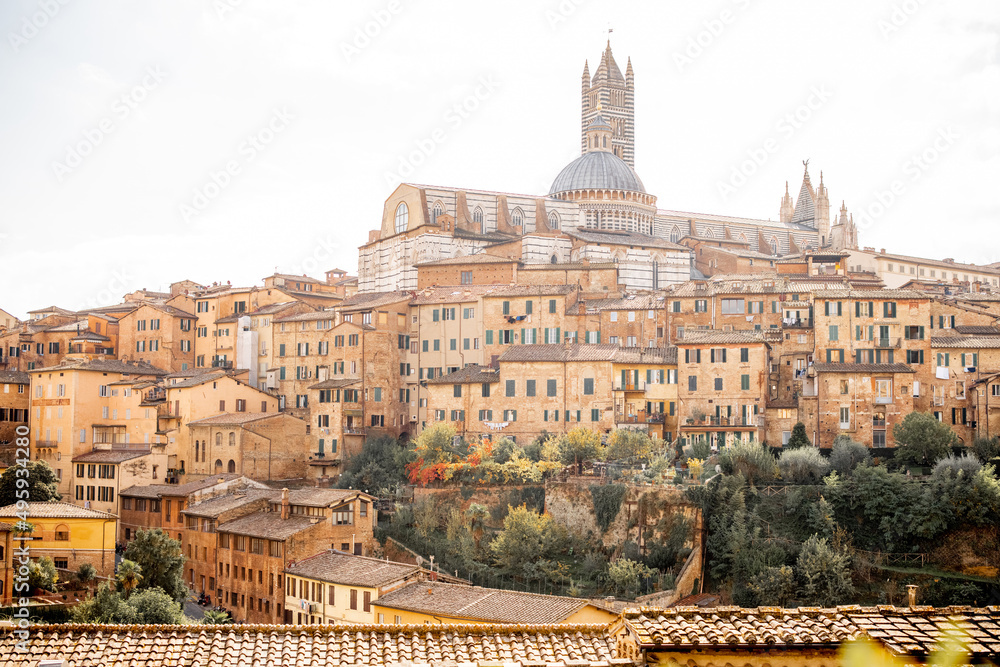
x=608, y=69
x=597, y=170
x=805, y=206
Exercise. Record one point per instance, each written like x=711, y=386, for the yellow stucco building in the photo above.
x=69, y=535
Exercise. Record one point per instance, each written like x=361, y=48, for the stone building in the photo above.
x=160, y=335
x=263, y=446
x=723, y=385
x=15, y=399
x=68, y=534
x=862, y=400
x=334, y=587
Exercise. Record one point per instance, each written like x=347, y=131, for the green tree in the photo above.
x=627, y=576
x=848, y=454
x=86, y=573
x=922, y=439
x=436, y=444
x=799, y=438
x=107, y=606
x=987, y=449
x=213, y=617
x=42, y=574
x=580, y=445
x=750, y=459
x=824, y=574
x=505, y=449
x=774, y=586
x=626, y=444
x=42, y=483
x=379, y=468
x=154, y=607
x=147, y=607
x=160, y=561
x=128, y=576
x=527, y=536
x=803, y=466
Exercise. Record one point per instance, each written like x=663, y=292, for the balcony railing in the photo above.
x=883, y=400
x=630, y=385
x=354, y=430
x=755, y=421
x=796, y=323
x=878, y=423
x=886, y=342
x=640, y=418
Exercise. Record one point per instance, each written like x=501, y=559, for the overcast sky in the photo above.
x=213, y=140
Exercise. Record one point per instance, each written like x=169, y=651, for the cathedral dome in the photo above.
x=597, y=170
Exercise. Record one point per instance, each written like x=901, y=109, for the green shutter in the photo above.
x=489, y=336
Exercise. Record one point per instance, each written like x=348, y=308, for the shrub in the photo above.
x=751, y=459
x=824, y=573
x=951, y=467
x=628, y=575
x=774, y=586
x=803, y=466
x=986, y=448
x=42, y=574
x=86, y=572
x=798, y=437
x=848, y=455
x=628, y=445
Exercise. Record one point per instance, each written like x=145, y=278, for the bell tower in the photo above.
x=611, y=95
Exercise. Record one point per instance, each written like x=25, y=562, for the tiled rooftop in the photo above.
x=54, y=511
x=337, y=383
x=158, y=490
x=313, y=645
x=373, y=300
x=14, y=377
x=106, y=366
x=904, y=631
x=268, y=525
x=560, y=353
x=110, y=455
x=233, y=418
x=972, y=342
x=469, y=375
x=863, y=368
x=715, y=337
x=215, y=507
x=482, y=604
x=871, y=294
x=349, y=570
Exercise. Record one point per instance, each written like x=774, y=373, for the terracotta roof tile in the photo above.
x=863, y=368
x=560, y=353
x=268, y=525
x=233, y=418
x=974, y=342
x=482, y=604
x=110, y=455
x=469, y=375
x=314, y=645
x=55, y=511
x=342, y=568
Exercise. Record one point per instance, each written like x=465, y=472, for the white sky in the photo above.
x=896, y=75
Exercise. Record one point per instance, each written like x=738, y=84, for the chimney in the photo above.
x=882, y=251
x=911, y=590
x=285, y=508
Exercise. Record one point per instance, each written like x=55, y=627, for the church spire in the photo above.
x=787, y=208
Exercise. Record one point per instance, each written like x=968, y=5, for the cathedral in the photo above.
x=596, y=211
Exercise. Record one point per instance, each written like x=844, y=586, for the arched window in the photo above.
x=232, y=439
x=218, y=465
x=402, y=217
x=553, y=220
x=218, y=439
x=554, y=260
x=708, y=233
x=774, y=245
x=438, y=211
x=517, y=217
x=477, y=216
x=656, y=275
x=197, y=446
x=232, y=466
x=62, y=533
x=675, y=235
x=743, y=238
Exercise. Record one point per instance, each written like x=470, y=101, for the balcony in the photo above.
x=221, y=363
x=883, y=400
x=886, y=343
x=796, y=323
x=46, y=443
x=354, y=430
x=154, y=396
x=629, y=386
x=878, y=423
x=639, y=418
x=716, y=422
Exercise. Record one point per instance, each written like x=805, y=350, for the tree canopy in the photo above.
x=159, y=560
x=922, y=439
x=42, y=484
